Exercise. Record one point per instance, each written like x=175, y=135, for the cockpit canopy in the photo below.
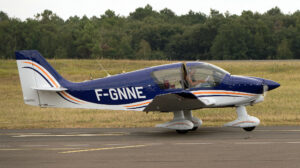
x=189, y=75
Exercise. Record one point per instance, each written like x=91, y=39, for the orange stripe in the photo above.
x=138, y=104
x=244, y=94
x=70, y=97
x=53, y=81
x=43, y=72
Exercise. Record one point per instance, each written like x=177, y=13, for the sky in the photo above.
x=23, y=9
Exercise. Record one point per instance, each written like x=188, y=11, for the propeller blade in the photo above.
x=265, y=90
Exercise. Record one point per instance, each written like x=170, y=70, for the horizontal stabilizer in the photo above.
x=51, y=89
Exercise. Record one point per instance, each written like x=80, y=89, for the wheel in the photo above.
x=182, y=131
x=248, y=129
x=193, y=129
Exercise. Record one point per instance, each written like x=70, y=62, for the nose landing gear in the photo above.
x=245, y=121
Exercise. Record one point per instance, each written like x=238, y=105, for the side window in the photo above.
x=204, y=76
x=168, y=78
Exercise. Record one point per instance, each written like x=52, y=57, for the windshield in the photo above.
x=189, y=75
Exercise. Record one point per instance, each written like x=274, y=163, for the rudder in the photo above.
x=36, y=74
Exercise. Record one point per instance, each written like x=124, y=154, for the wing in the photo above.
x=175, y=102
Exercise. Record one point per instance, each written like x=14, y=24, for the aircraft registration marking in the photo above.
x=125, y=93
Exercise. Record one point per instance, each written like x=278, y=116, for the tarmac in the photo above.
x=273, y=147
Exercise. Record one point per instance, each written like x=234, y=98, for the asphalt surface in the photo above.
x=150, y=147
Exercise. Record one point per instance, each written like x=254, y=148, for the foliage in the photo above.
x=150, y=34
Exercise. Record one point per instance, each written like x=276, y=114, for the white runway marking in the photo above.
x=36, y=149
x=100, y=149
x=4, y=146
x=155, y=143
x=15, y=134
x=66, y=135
x=34, y=145
x=293, y=142
x=76, y=148
x=78, y=145
x=279, y=130
x=114, y=144
x=193, y=143
x=55, y=149
x=264, y=143
x=253, y=143
x=12, y=149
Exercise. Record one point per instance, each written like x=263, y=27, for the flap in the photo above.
x=175, y=102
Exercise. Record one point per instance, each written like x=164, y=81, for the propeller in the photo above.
x=265, y=90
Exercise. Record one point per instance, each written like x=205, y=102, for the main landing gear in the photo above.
x=245, y=121
x=182, y=122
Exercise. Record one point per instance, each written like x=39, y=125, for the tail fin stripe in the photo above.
x=41, y=75
x=43, y=72
x=139, y=104
x=52, y=86
x=65, y=98
x=64, y=93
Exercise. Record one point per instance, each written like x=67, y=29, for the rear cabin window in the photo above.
x=168, y=78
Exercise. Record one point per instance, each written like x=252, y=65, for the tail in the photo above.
x=36, y=74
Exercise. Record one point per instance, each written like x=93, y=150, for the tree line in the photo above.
x=150, y=34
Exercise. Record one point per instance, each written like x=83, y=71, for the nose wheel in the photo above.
x=248, y=129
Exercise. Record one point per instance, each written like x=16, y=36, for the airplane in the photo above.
x=178, y=88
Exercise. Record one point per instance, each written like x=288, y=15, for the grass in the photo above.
x=281, y=106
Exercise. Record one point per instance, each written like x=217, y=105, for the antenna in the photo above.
x=107, y=74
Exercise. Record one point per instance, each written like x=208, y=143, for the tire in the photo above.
x=248, y=129
x=194, y=129
x=182, y=131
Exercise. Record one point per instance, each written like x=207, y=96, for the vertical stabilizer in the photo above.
x=36, y=74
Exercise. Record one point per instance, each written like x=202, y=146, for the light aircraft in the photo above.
x=177, y=88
